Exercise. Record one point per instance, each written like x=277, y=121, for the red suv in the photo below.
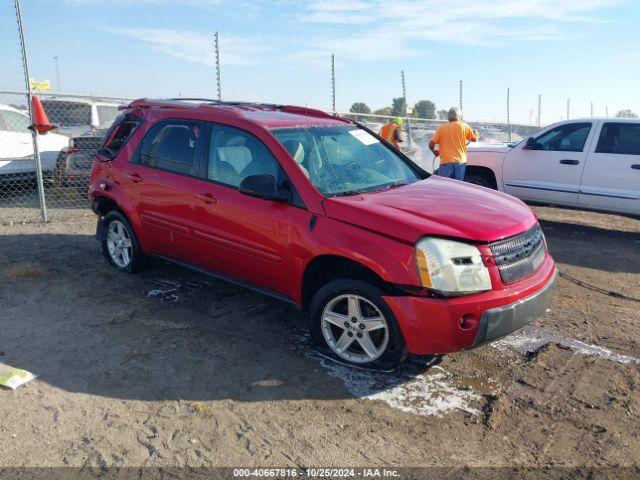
x=319, y=211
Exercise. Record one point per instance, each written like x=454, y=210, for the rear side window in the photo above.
x=565, y=138
x=118, y=135
x=619, y=138
x=172, y=146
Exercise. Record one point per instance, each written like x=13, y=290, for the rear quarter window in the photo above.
x=122, y=130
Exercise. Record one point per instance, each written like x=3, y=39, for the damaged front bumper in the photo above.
x=500, y=321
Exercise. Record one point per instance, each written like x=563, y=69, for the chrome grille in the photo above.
x=519, y=256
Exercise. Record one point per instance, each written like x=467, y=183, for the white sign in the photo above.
x=364, y=136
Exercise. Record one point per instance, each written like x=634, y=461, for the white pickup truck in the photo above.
x=16, y=146
x=589, y=163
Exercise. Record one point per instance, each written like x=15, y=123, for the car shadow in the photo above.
x=593, y=247
x=163, y=334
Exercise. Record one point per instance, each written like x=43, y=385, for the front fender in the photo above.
x=390, y=259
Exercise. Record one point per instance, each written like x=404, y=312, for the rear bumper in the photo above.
x=445, y=325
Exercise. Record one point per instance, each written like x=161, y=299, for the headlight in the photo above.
x=450, y=267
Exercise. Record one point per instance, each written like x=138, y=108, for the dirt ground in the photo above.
x=171, y=368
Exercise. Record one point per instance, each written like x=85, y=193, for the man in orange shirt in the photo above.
x=452, y=140
x=391, y=132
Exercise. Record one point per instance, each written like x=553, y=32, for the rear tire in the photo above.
x=483, y=179
x=119, y=243
x=350, y=321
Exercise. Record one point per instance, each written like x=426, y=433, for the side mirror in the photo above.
x=262, y=186
x=531, y=144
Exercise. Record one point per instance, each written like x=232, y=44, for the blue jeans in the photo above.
x=453, y=170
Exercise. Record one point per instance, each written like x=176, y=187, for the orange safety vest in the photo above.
x=388, y=132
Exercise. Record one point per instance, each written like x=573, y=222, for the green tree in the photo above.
x=384, y=111
x=425, y=109
x=399, y=106
x=360, y=107
x=626, y=114
x=442, y=114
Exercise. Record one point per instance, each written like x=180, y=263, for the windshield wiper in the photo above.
x=370, y=189
x=348, y=193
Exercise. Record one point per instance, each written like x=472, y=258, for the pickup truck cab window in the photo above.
x=565, y=138
x=619, y=139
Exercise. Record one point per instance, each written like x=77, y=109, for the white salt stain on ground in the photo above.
x=174, y=291
x=530, y=338
x=428, y=392
x=415, y=387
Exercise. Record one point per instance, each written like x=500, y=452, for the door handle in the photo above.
x=134, y=177
x=569, y=162
x=206, y=198
x=636, y=166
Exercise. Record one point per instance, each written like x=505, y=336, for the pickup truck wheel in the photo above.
x=480, y=178
x=119, y=243
x=350, y=320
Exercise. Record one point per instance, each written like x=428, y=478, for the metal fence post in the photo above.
x=539, y=109
x=509, y=112
x=333, y=84
x=218, y=82
x=404, y=96
x=460, y=98
x=34, y=133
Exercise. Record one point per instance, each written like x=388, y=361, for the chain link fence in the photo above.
x=81, y=122
x=66, y=153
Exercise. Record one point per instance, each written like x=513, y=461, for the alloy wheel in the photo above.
x=354, y=328
x=119, y=244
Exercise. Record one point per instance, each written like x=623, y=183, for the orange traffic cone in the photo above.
x=42, y=124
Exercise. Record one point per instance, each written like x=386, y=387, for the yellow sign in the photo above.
x=42, y=86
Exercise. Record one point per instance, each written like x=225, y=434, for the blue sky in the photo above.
x=279, y=50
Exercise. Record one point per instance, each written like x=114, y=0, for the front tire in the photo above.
x=349, y=320
x=119, y=243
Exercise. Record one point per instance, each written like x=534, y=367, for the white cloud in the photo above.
x=87, y=3
x=197, y=47
x=372, y=30
x=403, y=25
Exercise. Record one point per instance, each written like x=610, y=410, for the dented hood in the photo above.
x=435, y=206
